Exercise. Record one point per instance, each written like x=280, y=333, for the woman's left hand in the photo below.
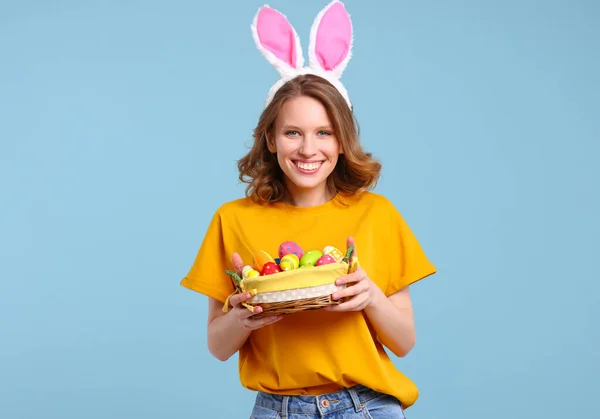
x=360, y=290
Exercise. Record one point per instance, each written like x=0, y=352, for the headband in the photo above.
x=329, y=49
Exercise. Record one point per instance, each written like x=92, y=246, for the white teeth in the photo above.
x=308, y=166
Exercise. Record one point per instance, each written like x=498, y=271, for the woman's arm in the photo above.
x=391, y=317
x=393, y=320
x=227, y=332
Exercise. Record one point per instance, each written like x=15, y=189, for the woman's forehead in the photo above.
x=303, y=111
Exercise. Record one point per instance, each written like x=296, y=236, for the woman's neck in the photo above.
x=308, y=197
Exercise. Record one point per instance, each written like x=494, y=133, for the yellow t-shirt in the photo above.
x=315, y=352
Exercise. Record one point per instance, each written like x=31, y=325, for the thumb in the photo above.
x=350, y=242
x=238, y=264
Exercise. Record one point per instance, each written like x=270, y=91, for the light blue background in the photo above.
x=120, y=125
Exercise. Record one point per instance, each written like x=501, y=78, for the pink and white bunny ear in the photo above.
x=277, y=40
x=330, y=45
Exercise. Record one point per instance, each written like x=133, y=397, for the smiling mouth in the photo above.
x=308, y=167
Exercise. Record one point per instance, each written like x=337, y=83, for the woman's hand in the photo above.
x=361, y=291
x=391, y=317
x=244, y=315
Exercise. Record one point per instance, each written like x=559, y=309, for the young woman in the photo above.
x=308, y=181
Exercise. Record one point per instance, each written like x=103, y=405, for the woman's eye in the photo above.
x=292, y=133
x=324, y=133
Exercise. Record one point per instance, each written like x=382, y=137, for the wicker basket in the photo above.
x=295, y=290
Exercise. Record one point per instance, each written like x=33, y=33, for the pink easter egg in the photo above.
x=288, y=247
x=325, y=260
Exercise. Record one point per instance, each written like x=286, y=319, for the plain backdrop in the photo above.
x=120, y=126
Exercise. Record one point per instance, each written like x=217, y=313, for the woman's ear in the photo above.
x=270, y=144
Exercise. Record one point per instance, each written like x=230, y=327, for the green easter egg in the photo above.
x=310, y=258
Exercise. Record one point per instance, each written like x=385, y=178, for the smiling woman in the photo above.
x=307, y=138
x=309, y=181
x=305, y=143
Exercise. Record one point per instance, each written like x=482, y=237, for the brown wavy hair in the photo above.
x=356, y=171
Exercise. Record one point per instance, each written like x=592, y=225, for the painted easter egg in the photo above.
x=325, y=260
x=288, y=247
x=260, y=259
x=334, y=252
x=270, y=268
x=310, y=258
x=289, y=261
x=246, y=269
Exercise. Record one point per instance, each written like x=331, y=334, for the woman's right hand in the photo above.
x=244, y=315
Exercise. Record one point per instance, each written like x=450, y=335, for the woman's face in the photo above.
x=306, y=146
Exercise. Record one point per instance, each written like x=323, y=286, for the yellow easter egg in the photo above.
x=245, y=271
x=253, y=273
x=334, y=252
x=289, y=261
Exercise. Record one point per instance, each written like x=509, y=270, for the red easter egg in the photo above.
x=270, y=268
x=325, y=260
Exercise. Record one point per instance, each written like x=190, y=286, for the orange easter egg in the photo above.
x=260, y=258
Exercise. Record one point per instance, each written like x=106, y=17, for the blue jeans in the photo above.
x=352, y=403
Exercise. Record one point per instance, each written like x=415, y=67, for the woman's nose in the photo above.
x=308, y=146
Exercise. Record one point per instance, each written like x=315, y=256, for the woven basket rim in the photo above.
x=295, y=306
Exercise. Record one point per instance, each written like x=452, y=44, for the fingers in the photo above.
x=357, y=303
x=238, y=264
x=253, y=324
x=238, y=298
x=244, y=313
x=245, y=317
x=356, y=289
x=355, y=276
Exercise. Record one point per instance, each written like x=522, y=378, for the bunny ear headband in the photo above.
x=329, y=49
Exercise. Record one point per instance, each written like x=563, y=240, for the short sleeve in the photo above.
x=407, y=254
x=207, y=274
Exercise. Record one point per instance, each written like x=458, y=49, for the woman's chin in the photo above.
x=304, y=184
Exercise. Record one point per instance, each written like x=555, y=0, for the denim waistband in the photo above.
x=355, y=397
